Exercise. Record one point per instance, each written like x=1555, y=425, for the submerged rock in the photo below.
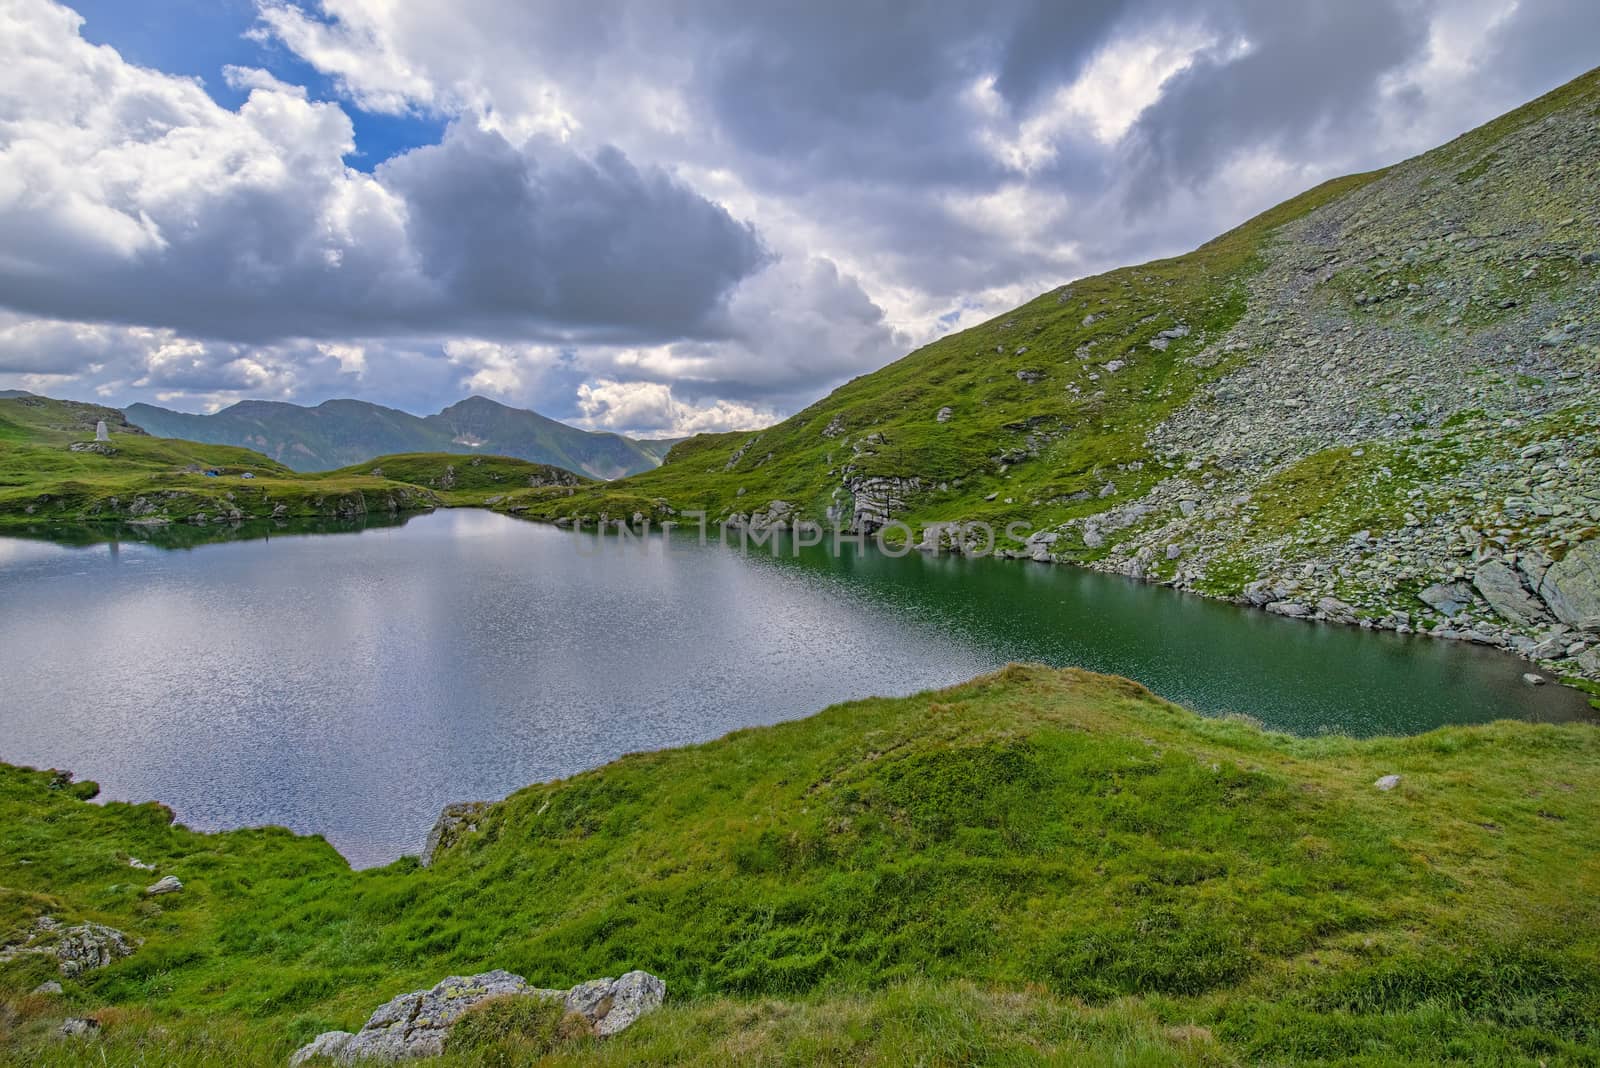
x=417, y=1024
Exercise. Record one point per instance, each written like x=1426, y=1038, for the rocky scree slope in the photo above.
x=1376, y=404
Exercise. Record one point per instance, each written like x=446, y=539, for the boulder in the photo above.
x=1503, y=589
x=1336, y=610
x=611, y=1005
x=1387, y=783
x=1292, y=609
x=330, y=1045
x=50, y=989
x=1446, y=598
x=79, y=1027
x=418, y=1024
x=1571, y=586
x=167, y=884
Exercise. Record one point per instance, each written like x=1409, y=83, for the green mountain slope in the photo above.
x=465, y=480
x=1035, y=864
x=339, y=433
x=52, y=470
x=1374, y=403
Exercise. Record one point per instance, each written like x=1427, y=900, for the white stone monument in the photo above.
x=100, y=431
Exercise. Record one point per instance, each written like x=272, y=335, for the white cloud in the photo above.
x=648, y=409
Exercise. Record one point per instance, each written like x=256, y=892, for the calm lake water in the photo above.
x=352, y=684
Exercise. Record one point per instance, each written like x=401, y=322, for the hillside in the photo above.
x=339, y=433
x=1374, y=404
x=54, y=472
x=465, y=481
x=1037, y=864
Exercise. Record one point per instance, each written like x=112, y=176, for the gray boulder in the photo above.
x=418, y=1024
x=167, y=884
x=1502, y=588
x=1571, y=586
x=330, y=1045
x=1336, y=611
x=612, y=1005
x=1387, y=783
x=1446, y=598
x=50, y=989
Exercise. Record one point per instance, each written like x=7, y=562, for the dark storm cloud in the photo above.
x=128, y=196
x=1049, y=43
x=494, y=239
x=512, y=235
x=1544, y=42
x=1281, y=76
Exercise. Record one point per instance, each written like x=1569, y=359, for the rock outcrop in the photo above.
x=418, y=1024
x=454, y=821
x=77, y=949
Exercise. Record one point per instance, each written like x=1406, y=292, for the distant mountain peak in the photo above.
x=343, y=431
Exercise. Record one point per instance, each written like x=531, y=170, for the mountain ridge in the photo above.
x=341, y=432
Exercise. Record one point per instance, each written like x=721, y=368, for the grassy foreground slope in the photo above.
x=1351, y=406
x=1037, y=865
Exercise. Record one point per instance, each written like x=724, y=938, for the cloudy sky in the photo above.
x=660, y=216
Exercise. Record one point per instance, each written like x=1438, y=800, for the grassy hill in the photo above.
x=465, y=480
x=340, y=433
x=1038, y=864
x=1373, y=391
x=52, y=471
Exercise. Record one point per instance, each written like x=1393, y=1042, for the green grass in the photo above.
x=1040, y=860
x=463, y=480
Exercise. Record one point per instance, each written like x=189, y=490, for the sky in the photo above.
x=661, y=217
